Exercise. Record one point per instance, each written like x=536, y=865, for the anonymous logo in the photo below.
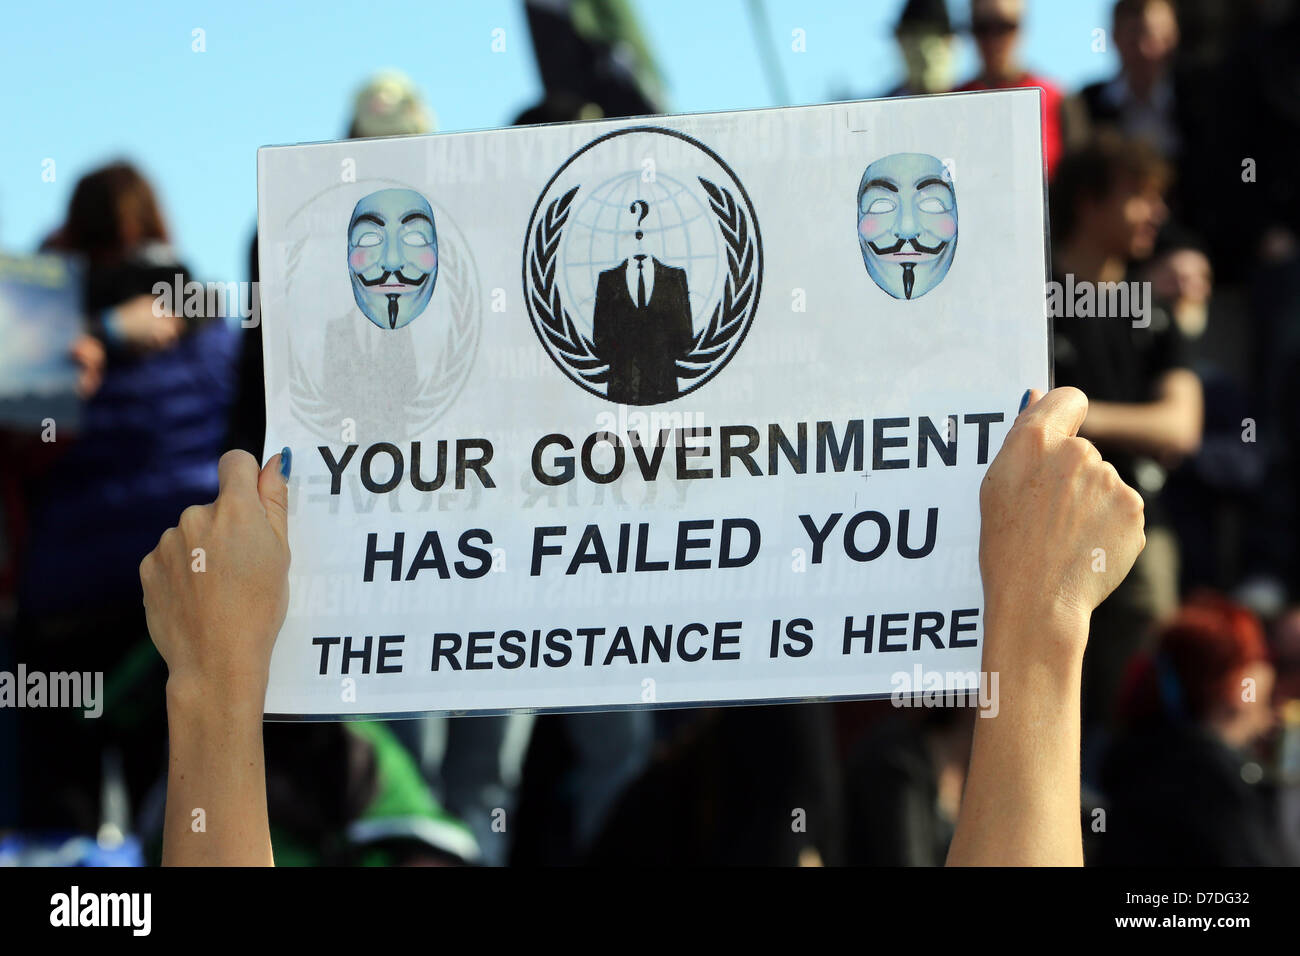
x=642, y=266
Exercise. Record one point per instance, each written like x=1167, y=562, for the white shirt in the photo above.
x=648, y=272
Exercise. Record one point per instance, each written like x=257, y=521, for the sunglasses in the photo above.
x=994, y=27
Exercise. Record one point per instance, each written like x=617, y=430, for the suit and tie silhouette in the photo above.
x=641, y=339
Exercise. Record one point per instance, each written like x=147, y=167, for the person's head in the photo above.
x=1181, y=275
x=113, y=211
x=389, y=104
x=1110, y=194
x=392, y=256
x=995, y=25
x=925, y=38
x=907, y=223
x=1210, y=666
x=1146, y=35
x=1286, y=655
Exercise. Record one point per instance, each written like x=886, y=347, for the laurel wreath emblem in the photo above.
x=729, y=315
x=575, y=349
x=726, y=325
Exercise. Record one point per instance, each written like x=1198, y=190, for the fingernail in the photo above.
x=286, y=462
x=1024, y=400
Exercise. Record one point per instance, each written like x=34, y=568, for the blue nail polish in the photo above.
x=286, y=462
x=1024, y=400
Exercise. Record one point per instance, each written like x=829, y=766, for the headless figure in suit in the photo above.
x=641, y=336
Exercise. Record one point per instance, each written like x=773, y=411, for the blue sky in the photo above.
x=90, y=82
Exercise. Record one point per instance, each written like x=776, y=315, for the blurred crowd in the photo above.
x=1172, y=172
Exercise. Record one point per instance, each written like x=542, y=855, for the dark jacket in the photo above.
x=642, y=346
x=1178, y=798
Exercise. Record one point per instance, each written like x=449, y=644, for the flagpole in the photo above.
x=767, y=52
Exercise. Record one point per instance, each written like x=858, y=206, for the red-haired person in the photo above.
x=1184, y=784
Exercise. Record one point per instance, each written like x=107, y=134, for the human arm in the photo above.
x=87, y=352
x=139, y=324
x=1048, y=503
x=215, y=629
x=1168, y=427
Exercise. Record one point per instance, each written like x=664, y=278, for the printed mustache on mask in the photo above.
x=909, y=268
x=398, y=274
x=393, y=297
x=898, y=247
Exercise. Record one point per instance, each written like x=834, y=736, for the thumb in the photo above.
x=1061, y=411
x=1029, y=400
x=273, y=489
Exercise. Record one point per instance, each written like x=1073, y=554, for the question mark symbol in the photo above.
x=645, y=211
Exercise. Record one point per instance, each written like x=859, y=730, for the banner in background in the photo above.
x=40, y=318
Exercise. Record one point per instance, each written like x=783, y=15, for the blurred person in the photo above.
x=115, y=224
x=1286, y=656
x=995, y=25
x=1271, y=534
x=147, y=447
x=1145, y=411
x=1182, y=276
x=925, y=41
x=1140, y=101
x=578, y=769
x=390, y=104
x=725, y=790
x=473, y=767
x=1173, y=106
x=349, y=793
x=904, y=783
x=1208, y=500
x=26, y=458
x=1046, y=500
x=612, y=750
x=597, y=51
x=1286, y=697
x=1259, y=130
x=1185, y=786
x=89, y=354
x=1247, y=138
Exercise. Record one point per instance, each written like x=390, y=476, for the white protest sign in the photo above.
x=653, y=412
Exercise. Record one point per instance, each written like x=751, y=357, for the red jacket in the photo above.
x=1053, y=144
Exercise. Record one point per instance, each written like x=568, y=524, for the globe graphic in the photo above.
x=679, y=230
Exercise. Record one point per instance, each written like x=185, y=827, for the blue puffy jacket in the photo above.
x=148, y=447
